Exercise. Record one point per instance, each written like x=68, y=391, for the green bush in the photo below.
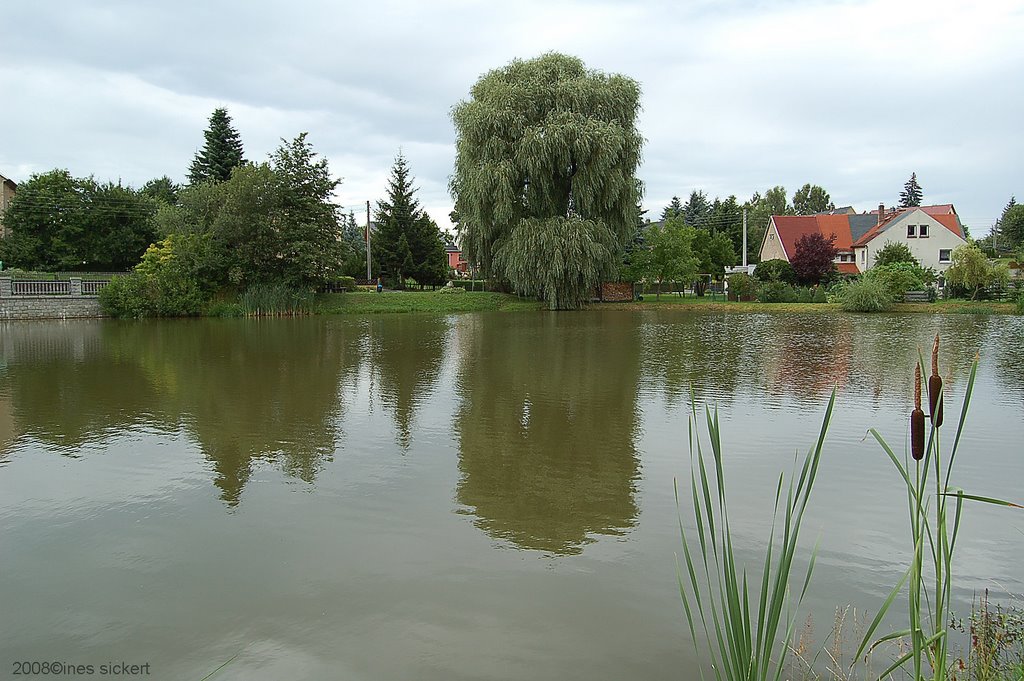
x=126, y=297
x=775, y=270
x=449, y=289
x=167, y=293
x=804, y=294
x=834, y=293
x=777, y=292
x=866, y=295
x=900, y=277
x=820, y=296
x=1020, y=304
x=223, y=308
x=742, y=286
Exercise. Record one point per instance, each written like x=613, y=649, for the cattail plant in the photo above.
x=917, y=420
x=935, y=387
x=933, y=532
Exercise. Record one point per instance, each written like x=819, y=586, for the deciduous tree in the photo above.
x=669, y=255
x=813, y=258
x=545, y=175
x=811, y=199
x=971, y=270
x=894, y=252
x=59, y=222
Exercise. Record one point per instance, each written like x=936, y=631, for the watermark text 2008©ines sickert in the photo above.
x=61, y=668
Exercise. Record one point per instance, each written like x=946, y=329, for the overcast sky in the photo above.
x=738, y=96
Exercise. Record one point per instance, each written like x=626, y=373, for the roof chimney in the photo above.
x=881, y=212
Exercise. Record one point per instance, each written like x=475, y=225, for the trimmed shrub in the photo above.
x=777, y=292
x=742, y=286
x=452, y=289
x=866, y=295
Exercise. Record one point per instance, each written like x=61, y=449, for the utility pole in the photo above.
x=745, y=241
x=369, y=273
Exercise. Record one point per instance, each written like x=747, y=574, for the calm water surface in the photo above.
x=481, y=496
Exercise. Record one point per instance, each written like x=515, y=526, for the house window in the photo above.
x=864, y=256
x=911, y=231
x=944, y=254
x=922, y=231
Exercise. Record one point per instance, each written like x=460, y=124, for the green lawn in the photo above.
x=420, y=301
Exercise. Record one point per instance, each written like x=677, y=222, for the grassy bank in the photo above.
x=479, y=301
x=419, y=301
x=720, y=305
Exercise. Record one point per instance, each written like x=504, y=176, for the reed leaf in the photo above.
x=749, y=632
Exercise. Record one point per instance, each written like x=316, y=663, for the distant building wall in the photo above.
x=772, y=248
x=7, y=189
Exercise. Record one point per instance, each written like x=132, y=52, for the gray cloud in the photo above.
x=738, y=96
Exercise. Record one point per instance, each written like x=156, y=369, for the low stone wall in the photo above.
x=72, y=306
x=49, y=307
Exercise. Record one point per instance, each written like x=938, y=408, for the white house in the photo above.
x=930, y=232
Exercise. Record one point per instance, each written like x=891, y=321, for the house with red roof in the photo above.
x=930, y=232
x=456, y=260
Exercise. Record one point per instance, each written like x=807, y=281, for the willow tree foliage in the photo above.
x=545, y=175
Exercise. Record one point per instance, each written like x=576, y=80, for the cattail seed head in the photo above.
x=917, y=386
x=935, y=387
x=917, y=434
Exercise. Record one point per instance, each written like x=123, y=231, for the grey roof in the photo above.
x=860, y=224
x=452, y=248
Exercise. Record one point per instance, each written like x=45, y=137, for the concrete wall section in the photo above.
x=49, y=307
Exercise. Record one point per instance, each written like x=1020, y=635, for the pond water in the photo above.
x=480, y=496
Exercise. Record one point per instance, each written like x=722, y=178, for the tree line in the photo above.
x=235, y=224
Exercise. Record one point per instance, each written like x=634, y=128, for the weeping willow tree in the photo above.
x=545, y=175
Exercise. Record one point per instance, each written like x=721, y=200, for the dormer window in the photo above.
x=911, y=231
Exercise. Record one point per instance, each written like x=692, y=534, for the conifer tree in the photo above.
x=408, y=243
x=697, y=209
x=673, y=210
x=220, y=154
x=911, y=194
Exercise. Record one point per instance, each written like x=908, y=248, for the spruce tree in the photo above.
x=697, y=209
x=673, y=210
x=220, y=154
x=408, y=243
x=911, y=194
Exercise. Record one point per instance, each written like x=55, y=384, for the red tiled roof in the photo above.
x=792, y=227
x=847, y=268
